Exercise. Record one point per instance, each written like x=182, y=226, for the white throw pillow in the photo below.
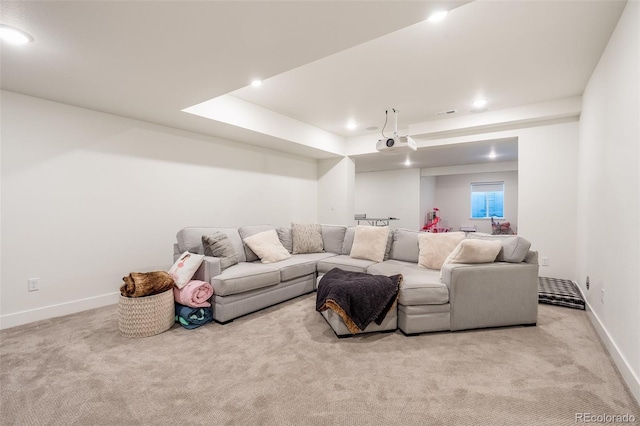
x=475, y=251
x=185, y=267
x=267, y=246
x=370, y=242
x=434, y=248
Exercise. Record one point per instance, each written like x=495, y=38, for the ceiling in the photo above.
x=322, y=62
x=503, y=151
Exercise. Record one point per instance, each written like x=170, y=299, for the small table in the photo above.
x=376, y=221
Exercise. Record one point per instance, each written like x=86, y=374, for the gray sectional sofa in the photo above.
x=457, y=297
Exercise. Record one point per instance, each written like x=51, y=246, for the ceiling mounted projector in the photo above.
x=396, y=144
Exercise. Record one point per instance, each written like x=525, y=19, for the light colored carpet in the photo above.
x=284, y=366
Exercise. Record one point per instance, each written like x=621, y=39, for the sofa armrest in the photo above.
x=209, y=268
x=492, y=294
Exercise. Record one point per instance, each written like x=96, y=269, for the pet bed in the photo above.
x=559, y=292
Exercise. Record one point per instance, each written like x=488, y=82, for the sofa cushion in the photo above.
x=420, y=286
x=348, y=240
x=316, y=256
x=247, y=231
x=185, y=267
x=405, y=245
x=267, y=246
x=284, y=234
x=219, y=245
x=245, y=276
x=333, y=238
x=370, y=243
x=296, y=266
x=514, y=247
x=474, y=251
x=435, y=247
x=343, y=262
x=190, y=239
x=307, y=238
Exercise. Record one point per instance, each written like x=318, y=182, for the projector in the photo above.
x=396, y=145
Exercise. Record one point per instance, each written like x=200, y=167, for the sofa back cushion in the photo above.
x=190, y=239
x=249, y=230
x=348, y=240
x=284, y=235
x=333, y=238
x=514, y=247
x=405, y=245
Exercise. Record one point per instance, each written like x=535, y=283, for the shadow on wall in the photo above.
x=101, y=132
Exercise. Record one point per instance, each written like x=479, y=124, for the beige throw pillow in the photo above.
x=267, y=246
x=370, y=242
x=307, y=238
x=434, y=248
x=475, y=251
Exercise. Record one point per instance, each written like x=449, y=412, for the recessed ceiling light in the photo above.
x=492, y=155
x=438, y=16
x=14, y=35
x=351, y=125
x=256, y=83
x=407, y=162
x=479, y=104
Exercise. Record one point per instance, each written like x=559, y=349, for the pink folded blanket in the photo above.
x=195, y=294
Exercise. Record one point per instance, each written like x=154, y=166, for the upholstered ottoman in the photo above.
x=357, y=302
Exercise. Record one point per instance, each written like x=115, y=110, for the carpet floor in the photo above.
x=284, y=366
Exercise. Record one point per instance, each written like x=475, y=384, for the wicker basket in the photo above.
x=146, y=316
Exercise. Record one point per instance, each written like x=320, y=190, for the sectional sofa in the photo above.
x=458, y=296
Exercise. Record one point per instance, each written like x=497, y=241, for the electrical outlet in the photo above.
x=34, y=284
x=545, y=261
x=602, y=296
x=587, y=282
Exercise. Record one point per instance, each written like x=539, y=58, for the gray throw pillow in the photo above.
x=307, y=238
x=219, y=245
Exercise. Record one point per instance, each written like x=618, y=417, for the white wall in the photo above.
x=453, y=199
x=394, y=193
x=547, y=195
x=88, y=197
x=427, y=196
x=609, y=194
x=336, y=183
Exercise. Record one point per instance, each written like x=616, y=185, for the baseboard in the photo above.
x=630, y=378
x=52, y=311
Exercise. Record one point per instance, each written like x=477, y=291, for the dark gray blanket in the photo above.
x=358, y=298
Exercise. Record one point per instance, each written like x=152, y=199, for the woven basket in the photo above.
x=146, y=316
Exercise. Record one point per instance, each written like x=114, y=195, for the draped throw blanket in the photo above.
x=358, y=298
x=191, y=318
x=140, y=284
x=195, y=294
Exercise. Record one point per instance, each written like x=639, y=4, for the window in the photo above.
x=487, y=200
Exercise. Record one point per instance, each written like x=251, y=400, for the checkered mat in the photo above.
x=555, y=291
